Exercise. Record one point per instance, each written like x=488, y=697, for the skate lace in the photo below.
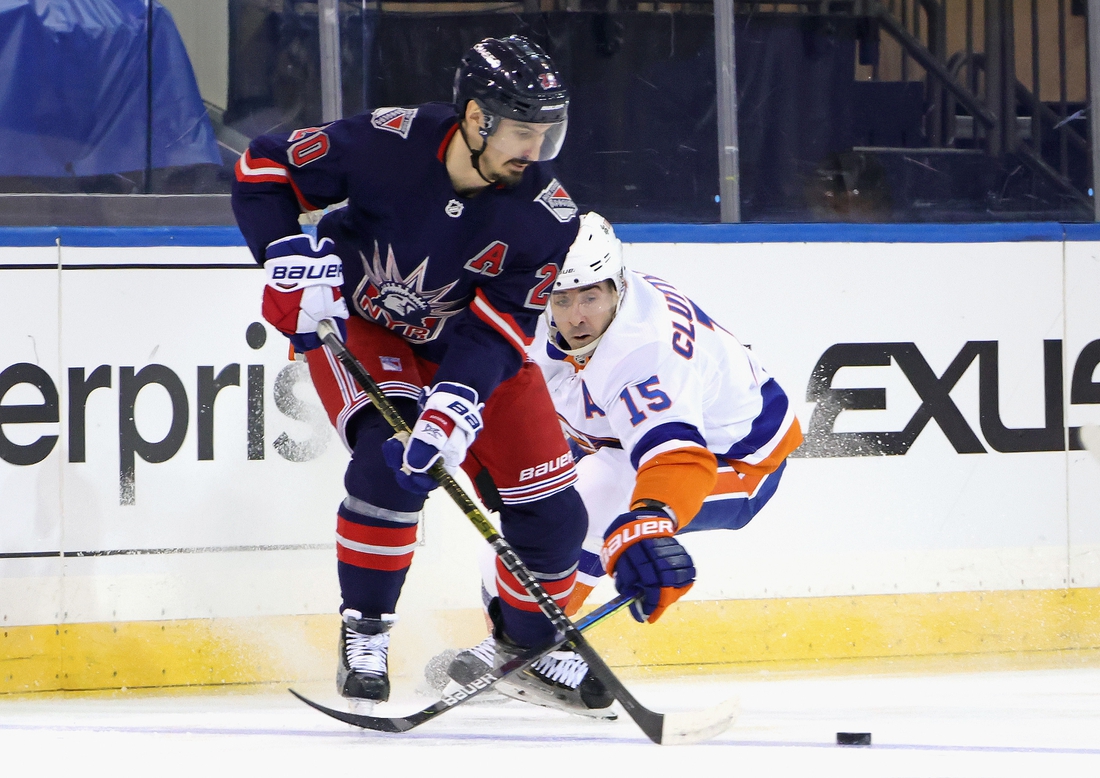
x=486, y=650
x=564, y=667
x=367, y=653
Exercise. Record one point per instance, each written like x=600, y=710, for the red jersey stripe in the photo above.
x=390, y=537
x=501, y=322
x=373, y=561
x=260, y=171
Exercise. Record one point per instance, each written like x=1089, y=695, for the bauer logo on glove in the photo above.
x=307, y=271
x=472, y=420
x=303, y=287
x=647, y=562
x=631, y=533
x=450, y=419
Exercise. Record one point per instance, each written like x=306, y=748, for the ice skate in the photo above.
x=361, y=675
x=559, y=680
x=437, y=674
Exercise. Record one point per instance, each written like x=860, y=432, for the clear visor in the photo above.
x=527, y=141
x=582, y=311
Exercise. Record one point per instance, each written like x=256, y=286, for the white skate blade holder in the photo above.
x=523, y=695
x=360, y=707
x=681, y=729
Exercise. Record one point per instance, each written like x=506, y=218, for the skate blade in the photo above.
x=360, y=707
x=600, y=714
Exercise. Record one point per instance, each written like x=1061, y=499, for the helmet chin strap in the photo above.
x=475, y=156
x=561, y=344
x=582, y=354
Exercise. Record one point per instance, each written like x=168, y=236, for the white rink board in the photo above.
x=227, y=536
x=932, y=519
x=1083, y=313
x=238, y=536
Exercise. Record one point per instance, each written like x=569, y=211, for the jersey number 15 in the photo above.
x=654, y=399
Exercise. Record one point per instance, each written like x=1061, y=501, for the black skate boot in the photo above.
x=559, y=680
x=361, y=675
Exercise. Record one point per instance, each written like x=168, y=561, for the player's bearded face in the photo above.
x=582, y=315
x=511, y=148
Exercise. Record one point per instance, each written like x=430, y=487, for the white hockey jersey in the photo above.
x=667, y=379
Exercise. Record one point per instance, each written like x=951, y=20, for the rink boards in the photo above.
x=168, y=483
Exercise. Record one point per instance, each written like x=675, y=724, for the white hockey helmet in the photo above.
x=596, y=255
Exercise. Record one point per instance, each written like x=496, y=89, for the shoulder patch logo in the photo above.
x=396, y=120
x=557, y=201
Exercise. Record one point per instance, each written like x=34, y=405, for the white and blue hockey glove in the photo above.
x=450, y=419
x=639, y=550
x=303, y=287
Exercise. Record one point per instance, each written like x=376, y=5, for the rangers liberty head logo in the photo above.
x=402, y=304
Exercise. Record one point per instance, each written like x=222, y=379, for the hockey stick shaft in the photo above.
x=650, y=722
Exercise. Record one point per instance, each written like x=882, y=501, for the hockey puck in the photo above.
x=853, y=738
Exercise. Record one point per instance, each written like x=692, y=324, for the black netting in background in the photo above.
x=642, y=143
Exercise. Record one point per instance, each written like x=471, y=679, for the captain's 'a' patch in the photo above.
x=396, y=120
x=557, y=201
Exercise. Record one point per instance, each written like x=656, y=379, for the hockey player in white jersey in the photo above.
x=676, y=428
x=677, y=425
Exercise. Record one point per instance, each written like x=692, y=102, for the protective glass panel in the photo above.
x=904, y=110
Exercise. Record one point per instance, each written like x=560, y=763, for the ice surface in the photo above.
x=994, y=723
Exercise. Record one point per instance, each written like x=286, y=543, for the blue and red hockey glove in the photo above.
x=450, y=419
x=646, y=561
x=303, y=287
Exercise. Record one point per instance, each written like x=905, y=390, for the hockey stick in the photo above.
x=470, y=690
x=658, y=727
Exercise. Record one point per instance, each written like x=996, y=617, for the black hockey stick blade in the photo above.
x=470, y=690
x=377, y=723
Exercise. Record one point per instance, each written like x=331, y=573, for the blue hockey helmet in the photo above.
x=513, y=78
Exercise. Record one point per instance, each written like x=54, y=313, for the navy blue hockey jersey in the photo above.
x=462, y=279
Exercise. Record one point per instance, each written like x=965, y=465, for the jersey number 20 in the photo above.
x=540, y=294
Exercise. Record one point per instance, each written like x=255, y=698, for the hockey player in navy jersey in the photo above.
x=438, y=269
